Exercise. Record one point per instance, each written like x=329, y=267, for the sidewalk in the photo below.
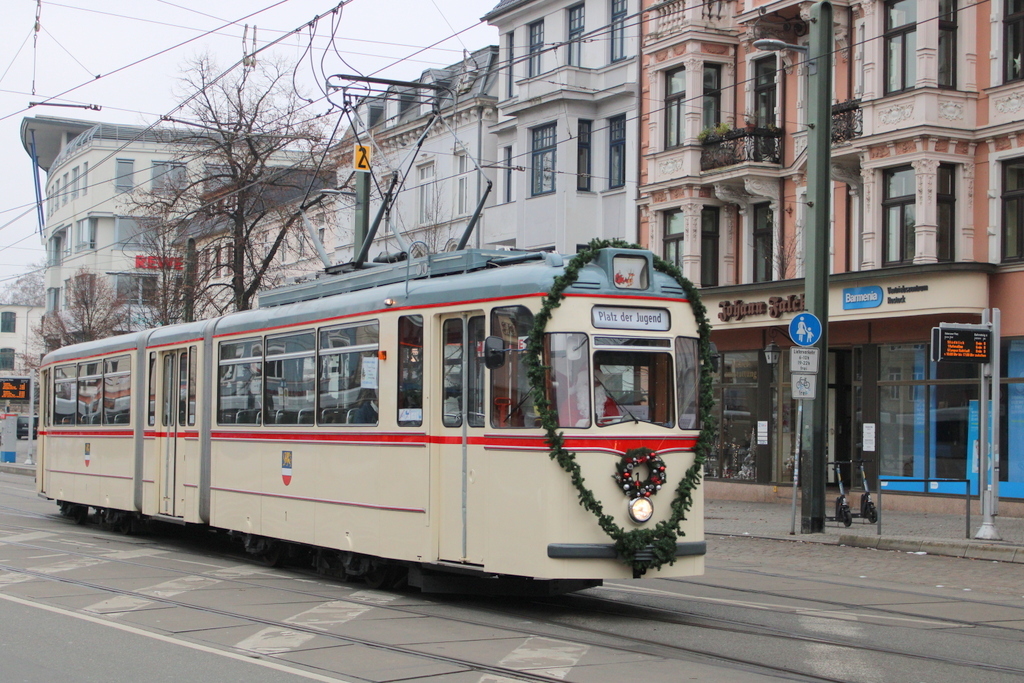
x=936, y=534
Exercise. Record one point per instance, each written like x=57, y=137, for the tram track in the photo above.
x=579, y=603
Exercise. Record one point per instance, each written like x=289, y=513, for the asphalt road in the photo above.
x=85, y=604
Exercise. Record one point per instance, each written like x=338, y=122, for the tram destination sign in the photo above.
x=967, y=344
x=627, y=318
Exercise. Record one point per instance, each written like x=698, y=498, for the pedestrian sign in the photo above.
x=361, y=158
x=805, y=329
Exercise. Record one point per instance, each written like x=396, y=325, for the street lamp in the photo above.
x=816, y=239
x=772, y=353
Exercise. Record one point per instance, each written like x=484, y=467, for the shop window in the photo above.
x=675, y=107
x=736, y=413
x=898, y=215
x=1013, y=52
x=900, y=45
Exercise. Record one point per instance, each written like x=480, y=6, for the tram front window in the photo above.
x=634, y=386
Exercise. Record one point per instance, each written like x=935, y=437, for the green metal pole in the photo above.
x=362, y=216
x=816, y=248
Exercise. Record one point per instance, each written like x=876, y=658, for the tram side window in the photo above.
x=289, y=389
x=410, y=371
x=511, y=398
x=117, y=390
x=192, y=387
x=687, y=381
x=65, y=391
x=451, y=373
x=90, y=393
x=567, y=355
x=348, y=387
x=151, y=419
x=240, y=382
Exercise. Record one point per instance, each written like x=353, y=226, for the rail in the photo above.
x=967, y=495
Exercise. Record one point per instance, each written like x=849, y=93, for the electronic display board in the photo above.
x=14, y=388
x=960, y=344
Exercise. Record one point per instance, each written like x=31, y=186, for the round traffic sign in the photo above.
x=805, y=329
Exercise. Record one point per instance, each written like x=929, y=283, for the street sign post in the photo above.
x=805, y=329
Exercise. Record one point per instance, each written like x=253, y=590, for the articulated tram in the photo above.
x=385, y=418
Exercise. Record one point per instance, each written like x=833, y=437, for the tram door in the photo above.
x=177, y=414
x=459, y=418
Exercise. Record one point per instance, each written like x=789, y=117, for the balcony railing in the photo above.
x=847, y=121
x=740, y=146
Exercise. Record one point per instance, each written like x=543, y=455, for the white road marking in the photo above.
x=174, y=641
x=545, y=656
x=120, y=605
x=239, y=571
x=275, y=640
x=30, y=536
x=823, y=660
x=374, y=597
x=11, y=578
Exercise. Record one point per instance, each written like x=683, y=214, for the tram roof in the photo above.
x=475, y=275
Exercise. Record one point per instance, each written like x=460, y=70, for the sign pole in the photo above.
x=987, y=531
x=796, y=461
x=31, y=421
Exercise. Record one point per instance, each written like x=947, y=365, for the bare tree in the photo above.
x=28, y=290
x=248, y=164
x=93, y=310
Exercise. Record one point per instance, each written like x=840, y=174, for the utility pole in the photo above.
x=816, y=245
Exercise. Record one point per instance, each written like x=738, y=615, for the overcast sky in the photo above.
x=80, y=39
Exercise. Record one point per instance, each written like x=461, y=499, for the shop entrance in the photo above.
x=843, y=416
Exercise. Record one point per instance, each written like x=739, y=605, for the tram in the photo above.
x=388, y=419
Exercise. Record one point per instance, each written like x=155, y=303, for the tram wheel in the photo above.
x=80, y=514
x=383, y=576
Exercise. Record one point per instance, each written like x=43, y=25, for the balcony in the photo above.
x=762, y=145
x=847, y=121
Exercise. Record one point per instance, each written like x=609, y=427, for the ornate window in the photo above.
x=674, y=233
x=574, y=45
x=946, y=197
x=900, y=45
x=1013, y=54
x=543, y=160
x=764, y=92
x=899, y=215
x=947, y=43
x=712, y=104
x=1013, y=210
x=709, y=240
x=763, y=242
x=675, y=102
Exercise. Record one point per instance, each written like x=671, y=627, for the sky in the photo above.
x=139, y=48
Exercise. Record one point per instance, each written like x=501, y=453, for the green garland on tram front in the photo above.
x=660, y=540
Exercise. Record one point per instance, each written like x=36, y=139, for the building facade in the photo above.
x=566, y=130
x=928, y=179
x=19, y=350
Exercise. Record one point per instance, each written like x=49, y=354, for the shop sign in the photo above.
x=625, y=318
x=862, y=297
x=774, y=307
x=898, y=294
x=158, y=263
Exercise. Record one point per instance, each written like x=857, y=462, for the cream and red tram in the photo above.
x=376, y=417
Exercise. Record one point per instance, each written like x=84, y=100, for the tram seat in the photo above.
x=332, y=416
x=122, y=418
x=306, y=416
x=248, y=417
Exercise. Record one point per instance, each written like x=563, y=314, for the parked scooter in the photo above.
x=843, y=513
x=868, y=510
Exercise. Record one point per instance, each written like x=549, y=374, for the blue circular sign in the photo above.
x=805, y=329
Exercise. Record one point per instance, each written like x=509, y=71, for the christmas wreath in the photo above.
x=641, y=548
x=627, y=473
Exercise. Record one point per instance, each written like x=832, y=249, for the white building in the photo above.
x=18, y=345
x=566, y=133
x=90, y=168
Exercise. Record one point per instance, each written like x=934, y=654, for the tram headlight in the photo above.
x=641, y=509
